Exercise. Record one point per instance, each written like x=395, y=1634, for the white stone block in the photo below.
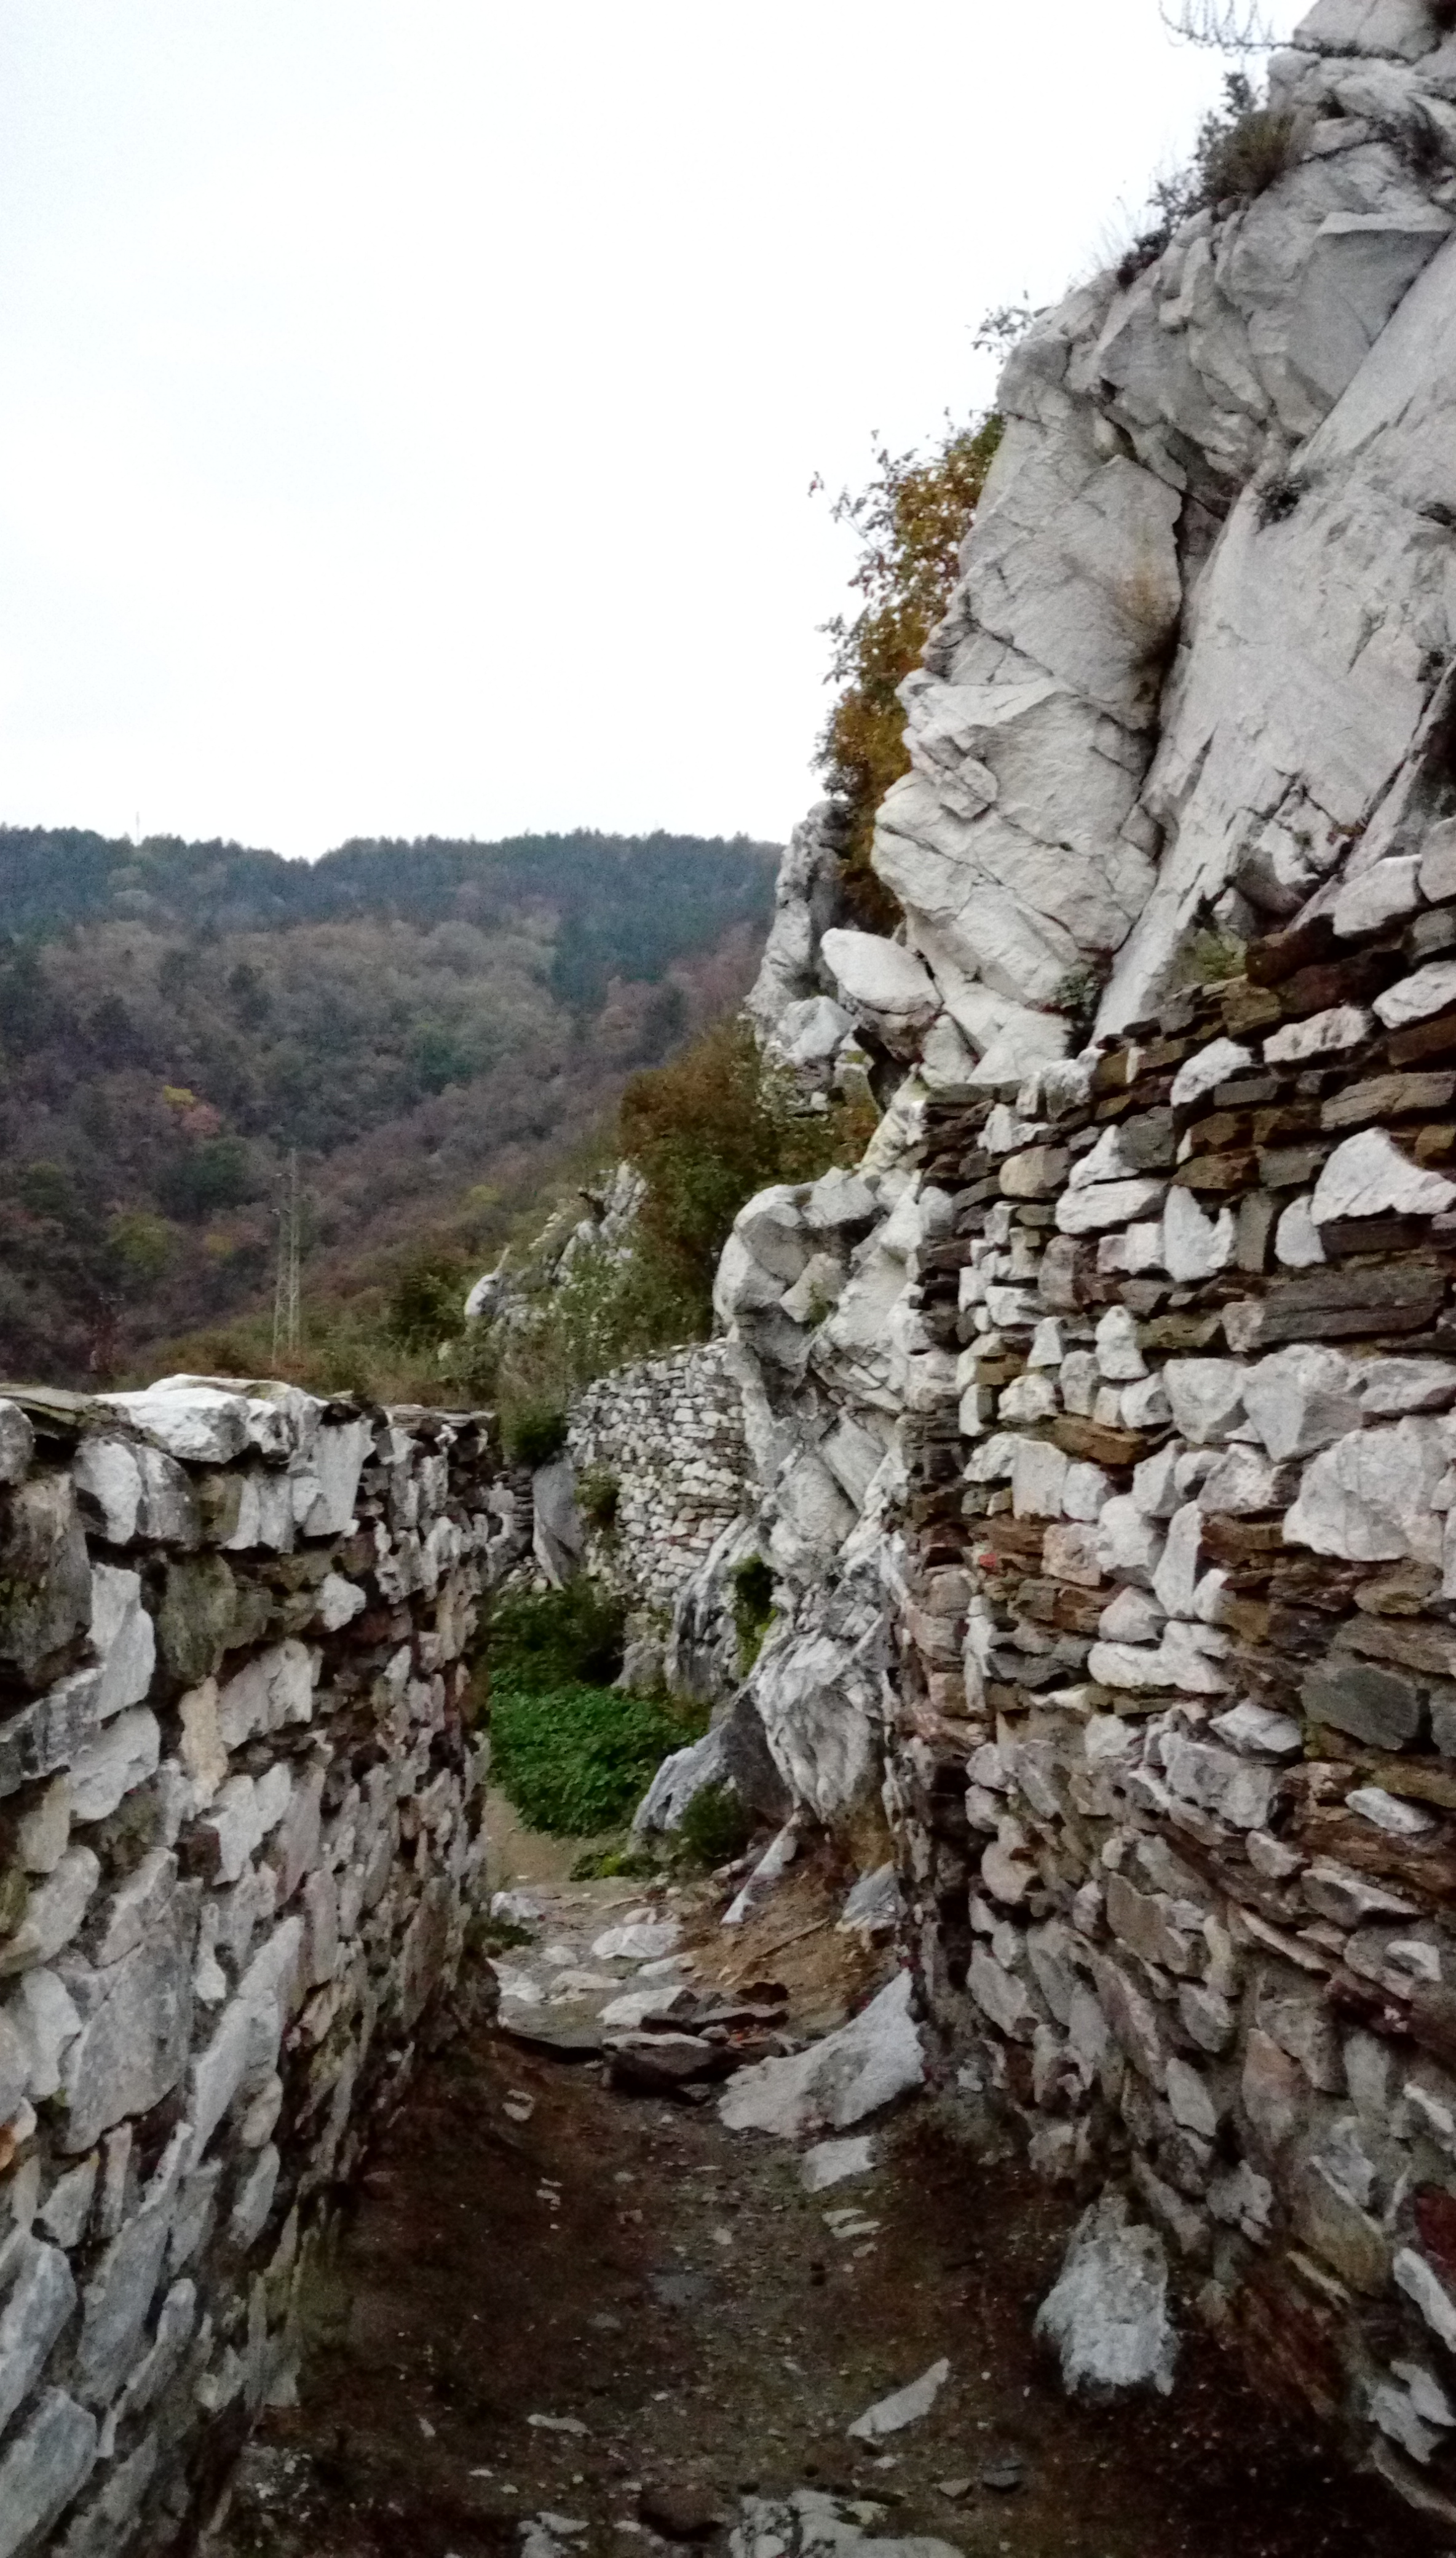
x=1038, y=1477
x=1369, y=1496
x=1329, y=1034
x=1379, y=896
x=1416, y=998
x=1297, y=1244
x=1207, y=1396
x=1118, y=1357
x=1217, y=1063
x=1194, y=1246
x=1109, y=1204
x=1367, y=1175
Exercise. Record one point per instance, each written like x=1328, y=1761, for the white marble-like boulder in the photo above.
x=1405, y=28
x=806, y=900
x=1108, y=2313
x=558, y=1539
x=1360, y=266
x=1284, y=728
x=1302, y=1398
x=816, y=2525
x=810, y=1033
x=819, y=1712
x=1020, y=891
x=682, y=1777
x=772, y=1227
x=883, y=987
x=839, y=2081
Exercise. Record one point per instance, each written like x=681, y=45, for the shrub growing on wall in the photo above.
x=911, y=521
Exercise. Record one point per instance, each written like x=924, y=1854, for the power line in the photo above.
x=1223, y=26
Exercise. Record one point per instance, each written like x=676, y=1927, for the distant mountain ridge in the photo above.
x=421, y=1020
x=631, y=902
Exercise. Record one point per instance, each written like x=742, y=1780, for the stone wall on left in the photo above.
x=239, y=1838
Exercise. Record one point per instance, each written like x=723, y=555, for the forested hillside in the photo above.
x=425, y=1023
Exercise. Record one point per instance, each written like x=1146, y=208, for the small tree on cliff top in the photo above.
x=911, y=521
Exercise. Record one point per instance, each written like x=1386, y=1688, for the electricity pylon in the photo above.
x=286, y=1331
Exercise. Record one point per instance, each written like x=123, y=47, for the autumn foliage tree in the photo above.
x=911, y=521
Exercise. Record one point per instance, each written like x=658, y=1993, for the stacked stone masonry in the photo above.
x=1173, y=1758
x=239, y=1838
x=660, y=1467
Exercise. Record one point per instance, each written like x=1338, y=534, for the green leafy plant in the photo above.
x=598, y=1493
x=1278, y=498
x=574, y=1760
x=1081, y=992
x=534, y=1435
x=707, y=1132
x=1238, y=154
x=1209, y=957
x=426, y=1302
x=1244, y=151
x=537, y=1640
x=599, y=1865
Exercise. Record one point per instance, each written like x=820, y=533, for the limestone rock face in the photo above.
x=885, y=987
x=1190, y=671
x=806, y=901
x=1104, y=1462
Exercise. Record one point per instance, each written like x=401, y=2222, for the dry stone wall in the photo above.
x=1172, y=1750
x=238, y=1839
x=661, y=1467
x=1104, y=1416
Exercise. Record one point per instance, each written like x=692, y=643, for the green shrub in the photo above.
x=1237, y=155
x=598, y=1493
x=715, y=1827
x=550, y=1638
x=708, y=1131
x=426, y=1303
x=911, y=521
x=1278, y=498
x=534, y=1435
x=1081, y=992
x=1210, y=956
x=574, y=1760
x=1245, y=150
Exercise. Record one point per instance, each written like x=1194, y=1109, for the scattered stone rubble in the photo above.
x=240, y=1837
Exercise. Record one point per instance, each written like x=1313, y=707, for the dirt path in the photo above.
x=566, y=2318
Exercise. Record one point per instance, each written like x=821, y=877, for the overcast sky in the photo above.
x=408, y=407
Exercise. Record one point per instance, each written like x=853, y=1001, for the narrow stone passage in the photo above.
x=569, y=2318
